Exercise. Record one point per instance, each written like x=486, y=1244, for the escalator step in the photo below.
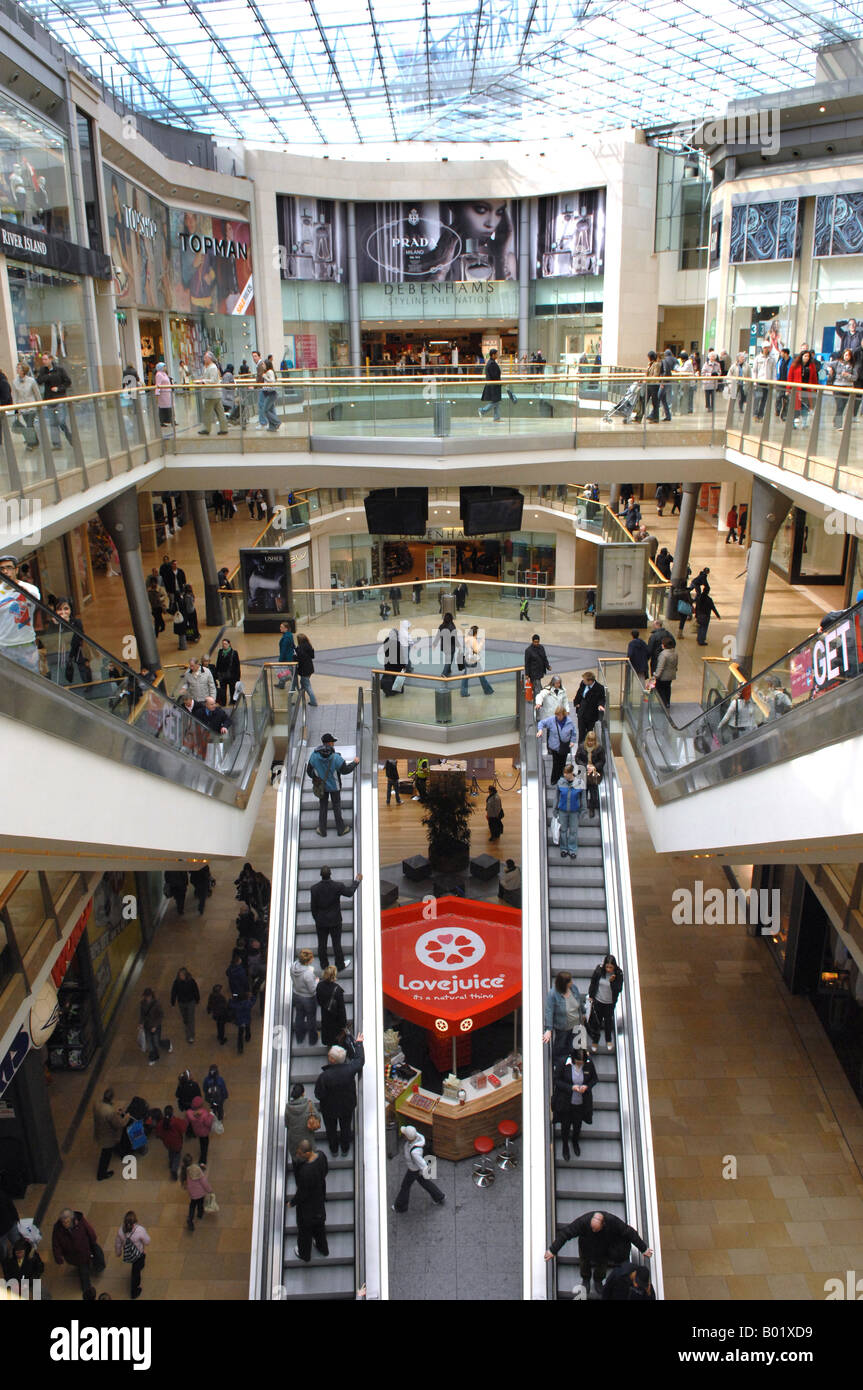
x=341, y=1250
x=579, y=916
x=569, y=1209
x=576, y=1182
x=320, y=1280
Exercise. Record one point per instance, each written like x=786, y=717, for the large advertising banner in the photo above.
x=311, y=239
x=838, y=225
x=266, y=577
x=431, y=241
x=764, y=231
x=212, y=263
x=569, y=237
x=139, y=244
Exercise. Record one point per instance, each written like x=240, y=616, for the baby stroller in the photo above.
x=633, y=400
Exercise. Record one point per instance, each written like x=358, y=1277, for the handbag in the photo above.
x=513, y=397
x=398, y=685
x=313, y=1123
x=210, y=1203
x=97, y=1258
x=136, y=1136
x=218, y=1126
x=141, y=1035
x=684, y=608
x=555, y=830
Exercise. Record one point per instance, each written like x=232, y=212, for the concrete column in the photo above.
x=683, y=541
x=120, y=519
x=353, y=290
x=767, y=511
x=270, y=499
x=197, y=507
x=88, y=297
x=8, y=343
x=523, y=274
x=614, y=497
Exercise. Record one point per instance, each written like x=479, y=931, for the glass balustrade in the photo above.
x=469, y=698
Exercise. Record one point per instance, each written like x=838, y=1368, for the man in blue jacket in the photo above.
x=325, y=768
x=561, y=732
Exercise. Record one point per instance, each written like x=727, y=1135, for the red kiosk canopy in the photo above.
x=455, y=971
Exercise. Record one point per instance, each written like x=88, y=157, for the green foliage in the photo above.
x=447, y=822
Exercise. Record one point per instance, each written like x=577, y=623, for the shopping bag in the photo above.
x=555, y=830
x=28, y=1228
x=218, y=1127
x=136, y=1136
x=398, y=684
x=210, y=1203
x=513, y=397
x=141, y=1036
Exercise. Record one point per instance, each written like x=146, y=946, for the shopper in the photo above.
x=175, y=885
x=509, y=888
x=562, y=1015
x=536, y=662
x=187, y=1091
x=802, y=372
x=782, y=394
x=664, y=562
x=491, y=392
x=331, y=998
x=25, y=392
x=215, y=1092
x=218, y=1009
x=560, y=732
x=164, y=397
x=711, y=375
x=212, y=396
x=391, y=768
x=326, y=768
x=241, y=1007
x=194, y=1179
x=200, y=1121
x=591, y=756
x=629, y=1283
x=109, y=1123
x=473, y=650
x=151, y=1019
x=447, y=639
x=704, y=608
x=185, y=994
x=8, y=1223
x=731, y=524
x=267, y=407
x=304, y=983
x=17, y=633
x=589, y=703
x=202, y=881
x=336, y=1090
x=572, y=1098
x=658, y=634
x=130, y=1245
x=417, y=1169
x=551, y=699
x=681, y=604
x=187, y=607
x=228, y=672
x=606, y=982
x=302, y=1118
x=55, y=382
x=763, y=370
x=74, y=1242
x=288, y=654
x=22, y=1262
x=327, y=913
x=237, y=974
x=494, y=813
x=638, y=655
x=306, y=665
x=310, y=1201
x=740, y=716
x=603, y=1240
x=666, y=670
x=171, y=1129
x=568, y=811
x=742, y=515
x=158, y=602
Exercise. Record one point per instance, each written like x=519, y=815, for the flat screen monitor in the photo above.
x=485, y=511
x=397, y=511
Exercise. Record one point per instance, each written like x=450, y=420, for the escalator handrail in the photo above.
x=642, y=1210
x=539, y=1218
x=268, y=1218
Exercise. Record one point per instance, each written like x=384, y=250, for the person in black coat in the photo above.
x=310, y=1200
x=604, y=989
x=704, y=608
x=227, y=672
x=447, y=640
x=638, y=655
x=664, y=562
x=327, y=912
x=336, y=1091
x=23, y=1261
x=187, y=1090
x=491, y=392
x=629, y=1283
x=331, y=998
x=536, y=663
x=591, y=756
x=603, y=1240
x=658, y=634
x=589, y=703
x=572, y=1098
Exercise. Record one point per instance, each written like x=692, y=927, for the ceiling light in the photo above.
x=822, y=108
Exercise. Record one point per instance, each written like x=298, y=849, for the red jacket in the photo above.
x=807, y=375
x=200, y=1121
x=74, y=1245
x=172, y=1132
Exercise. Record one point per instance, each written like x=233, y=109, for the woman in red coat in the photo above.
x=803, y=370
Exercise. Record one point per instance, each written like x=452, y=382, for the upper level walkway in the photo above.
x=74, y=455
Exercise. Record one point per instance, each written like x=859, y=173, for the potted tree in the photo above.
x=447, y=825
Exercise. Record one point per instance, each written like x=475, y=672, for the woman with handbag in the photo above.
x=603, y=991
x=666, y=670
x=131, y=1243
x=561, y=1015
x=195, y=1180
x=572, y=1098
x=74, y=1243
x=302, y=1117
x=200, y=1122
x=681, y=604
x=591, y=756
x=310, y=1200
x=331, y=998
x=494, y=813
x=25, y=392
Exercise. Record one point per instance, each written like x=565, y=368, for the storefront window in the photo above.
x=838, y=297
x=761, y=305
x=315, y=324
x=88, y=179
x=48, y=313
x=34, y=184
x=567, y=318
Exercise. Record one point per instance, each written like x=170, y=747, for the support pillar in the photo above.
x=768, y=510
x=523, y=275
x=614, y=497
x=353, y=290
x=270, y=499
x=683, y=541
x=120, y=519
x=197, y=504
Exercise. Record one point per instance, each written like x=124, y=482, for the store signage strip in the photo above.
x=24, y=244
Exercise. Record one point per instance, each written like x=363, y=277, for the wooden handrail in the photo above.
x=464, y=675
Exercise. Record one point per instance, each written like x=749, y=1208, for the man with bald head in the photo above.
x=603, y=1240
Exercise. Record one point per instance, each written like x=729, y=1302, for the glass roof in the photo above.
x=345, y=71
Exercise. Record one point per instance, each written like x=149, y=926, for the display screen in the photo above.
x=265, y=580
x=397, y=512
x=485, y=511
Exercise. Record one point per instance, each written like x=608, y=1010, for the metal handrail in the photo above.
x=538, y=1183
x=268, y=1213
x=642, y=1208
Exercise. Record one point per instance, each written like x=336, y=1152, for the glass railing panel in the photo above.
x=461, y=701
x=85, y=418
x=26, y=908
x=716, y=682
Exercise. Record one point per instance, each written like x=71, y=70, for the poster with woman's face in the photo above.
x=570, y=234
x=138, y=242
x=436, y=241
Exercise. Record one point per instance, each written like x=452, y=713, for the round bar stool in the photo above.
x=507, y=1129
x=483, y=1173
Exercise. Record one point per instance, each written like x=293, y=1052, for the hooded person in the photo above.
x=417, y=1169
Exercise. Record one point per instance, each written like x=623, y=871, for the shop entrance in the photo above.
x=152, y=345
x=434, y=347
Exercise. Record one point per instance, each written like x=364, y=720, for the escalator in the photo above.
x=354, y=1227
x=579, y=911
x=805, y=709
x=80, y=717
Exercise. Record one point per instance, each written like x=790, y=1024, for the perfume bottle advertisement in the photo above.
x=437, y=241
x=568, y=234
x=312, y=243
